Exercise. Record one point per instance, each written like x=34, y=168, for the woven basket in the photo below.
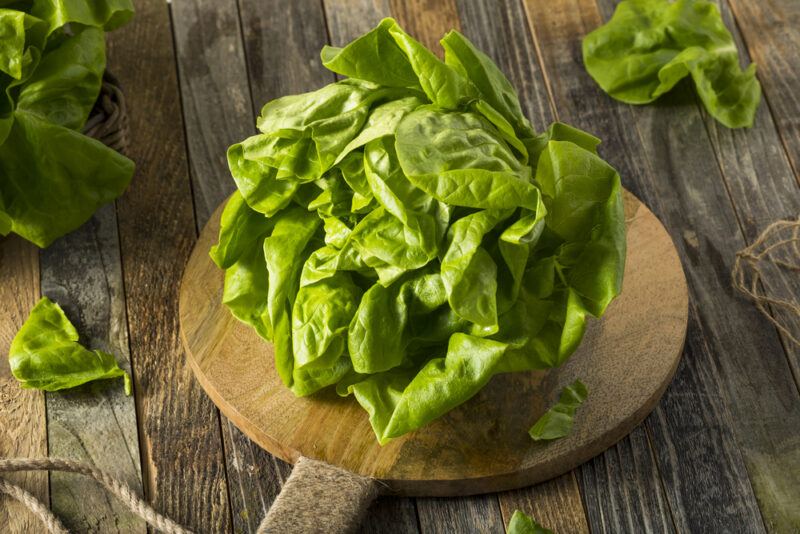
x=108, y=121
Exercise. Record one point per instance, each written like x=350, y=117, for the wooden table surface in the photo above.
x=720, y=453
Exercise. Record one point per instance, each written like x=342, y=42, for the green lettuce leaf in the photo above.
x=524, y=524
x=52, y=59
x=648, y=46
x=557, y=421
x=52, y=179
x=45, y=353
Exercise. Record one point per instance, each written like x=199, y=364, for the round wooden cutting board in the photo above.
x=626, y=360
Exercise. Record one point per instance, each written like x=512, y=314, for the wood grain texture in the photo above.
x=498, y=454
x=664, y=152
x=95, y=423
x=218, y=112
x=762, y=186
x=22, y=411
x=470, y=515
x=215, y=95
x=282, y=41
x=769, y=28
x=180, y=439
x=551, y=504
x=622, y=488
x=757, y=189
x=349, y=19
x=397, y=515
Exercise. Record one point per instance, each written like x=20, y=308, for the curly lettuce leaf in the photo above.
x=45, y=353
x=648, y=46
x=558, y=420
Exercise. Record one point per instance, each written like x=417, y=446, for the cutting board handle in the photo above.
x=319, y=497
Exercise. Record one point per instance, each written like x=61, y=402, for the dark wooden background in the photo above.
x=721, y=452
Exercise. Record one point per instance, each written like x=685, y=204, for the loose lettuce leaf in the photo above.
x=524, y=524
x=557, y=421
x=648, y=46
x=52, y=178
x=404, y=235
x=52, y=58
x=45, y=353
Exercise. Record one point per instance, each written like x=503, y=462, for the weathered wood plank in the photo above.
x=346, y=20
x=391, y=514
x=255, y=478
x=622, y=488
x=217, y=108
x=477, y=514
x=22, y=411
x=734, y=369
x=218, y=111
x=763, y=188
x=770, y=29
x=555, y=505
x=282, y=41
x=180, y=439
x=95, y=423
x=428, y=21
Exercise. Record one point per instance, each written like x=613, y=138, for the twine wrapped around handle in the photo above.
x=319, y=498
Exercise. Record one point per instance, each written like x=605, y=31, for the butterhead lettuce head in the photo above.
x=404, y=234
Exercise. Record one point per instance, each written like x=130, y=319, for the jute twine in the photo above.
x=122, y=491
x=108, y=121
x=774, y=253
x=305, y=505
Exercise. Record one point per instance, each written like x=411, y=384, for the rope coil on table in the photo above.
x=776, y=249
x=305, y=505
x=123, y=492
x=108, y=120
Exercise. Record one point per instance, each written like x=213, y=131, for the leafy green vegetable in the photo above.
x=52, y=58
x=524, y=524
x=45, y=353
x=650, y=45
x=405, y=235
x=557, y=421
